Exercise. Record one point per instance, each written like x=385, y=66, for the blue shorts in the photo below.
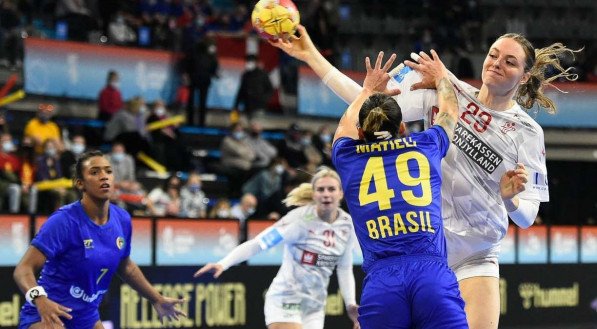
x=411, y=292
x=85, y=320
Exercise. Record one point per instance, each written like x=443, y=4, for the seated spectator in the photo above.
x=110, y=99
x=129, y=192
x=237, y=158
x=322, y=141
x=166, y=146
x=78, y=17
x=193, y=200
x=292, y=148
x=313, y=156
x=10, y=167
x=42, y=128
x=165, y=200
x=266, y=185
x=120, y=32
x=221, y=209
x=128, y=126
x=264, y=151
x=47, y=168
x=243, y=210
x=69, y=157
x=26, y=156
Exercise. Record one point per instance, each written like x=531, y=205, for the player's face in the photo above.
x=503, y=68
x=327, y=193
x=98, y=179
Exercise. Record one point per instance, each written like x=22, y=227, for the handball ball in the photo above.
x=275, y=19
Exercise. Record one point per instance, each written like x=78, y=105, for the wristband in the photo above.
x=35, y=292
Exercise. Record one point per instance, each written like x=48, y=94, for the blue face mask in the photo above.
x=78, y=148
x=238, y=135
x=326, y=138
x=118, y=156
x=8, y=147
x=194, y=188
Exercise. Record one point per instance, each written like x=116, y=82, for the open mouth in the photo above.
x=105, y=185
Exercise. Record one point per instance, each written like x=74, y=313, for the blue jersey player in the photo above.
x=79, y=249
x=392, y=188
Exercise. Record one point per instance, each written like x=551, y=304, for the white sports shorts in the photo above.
x=292, y=309
x=471, y=257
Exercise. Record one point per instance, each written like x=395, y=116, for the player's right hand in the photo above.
x=51, y=312
x=211, y=267
x=301, y=47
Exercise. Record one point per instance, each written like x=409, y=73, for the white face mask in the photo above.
x=250, y=65
x=8, y=147
x=250, y=211
x=115, y=84
x=78, y=148
x=211, y=49
x=279, y=169
x=160, y=111
x=223, y=213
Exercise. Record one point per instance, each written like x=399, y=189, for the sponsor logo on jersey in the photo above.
x=314, y=259
x=120, y=243
x=508, y=126
x=540, y=182
x=475, y=149
x=79, y=293
x=88, y=243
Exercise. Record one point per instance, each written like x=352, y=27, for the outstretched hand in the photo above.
x=211, y=267
x=513, y=181
x=50, y=312
x=301, y=47
x=377, y=77
x=167, y=310
x=353, y=314
x=432, y=69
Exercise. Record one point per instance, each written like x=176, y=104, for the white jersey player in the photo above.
x=486, y=174
x=486, y=144
x=317, y=237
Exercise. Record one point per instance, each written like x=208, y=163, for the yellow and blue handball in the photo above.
x=275, y=19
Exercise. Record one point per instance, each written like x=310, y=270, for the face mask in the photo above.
x=160, y=111
x=325, y=138
x=250, y=211
x=194, y=188
x=115, y=84
x=120, y=20
x=306, y=141
x=118, y=156
x=238, y=135
x=50, y=151
x=8, y=146
x=250, y=66
x=142, y=109
x=44, y=118
x=223, y=213
x=78, y=148
x=279, y=169
x=199, y=21
x=211, y=49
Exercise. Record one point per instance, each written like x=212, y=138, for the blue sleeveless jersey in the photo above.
x=81, y=257
x=393, y=192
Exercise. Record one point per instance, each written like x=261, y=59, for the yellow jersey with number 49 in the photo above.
x=393, y=192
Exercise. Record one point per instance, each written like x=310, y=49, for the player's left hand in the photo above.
x=513, y=181
x=353, y=313
x=167, y=310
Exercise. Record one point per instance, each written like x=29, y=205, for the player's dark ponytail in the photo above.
x=379, y=112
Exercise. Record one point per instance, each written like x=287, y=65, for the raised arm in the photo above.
x=303, y=48
x=433, y=68
x=376, y=80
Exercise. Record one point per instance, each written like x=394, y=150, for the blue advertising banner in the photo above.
x=14, y=238
x=189, y=242
x=508, y=247
x=78, y=70
x=532, y=245
x=563, y=244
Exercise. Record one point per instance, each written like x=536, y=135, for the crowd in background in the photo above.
x=257, y=172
